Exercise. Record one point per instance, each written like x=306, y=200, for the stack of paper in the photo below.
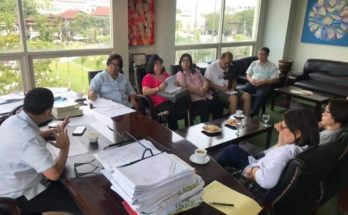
x=171, y=87
x=158, y=184
x=61, y=110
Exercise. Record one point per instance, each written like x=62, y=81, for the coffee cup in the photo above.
x=201, y=155
x=93, y=137
x=239, y=113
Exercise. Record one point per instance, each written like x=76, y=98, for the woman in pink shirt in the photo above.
x=203, y=102
x=153, y=82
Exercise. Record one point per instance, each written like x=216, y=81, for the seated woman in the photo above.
x=190, y=78
x=153, y=82
x=333, y=119
x=297, y=131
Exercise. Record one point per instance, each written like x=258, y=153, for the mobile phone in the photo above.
x=79, y=130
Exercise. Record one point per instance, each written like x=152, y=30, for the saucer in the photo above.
x=194, y=160
x=239, y=117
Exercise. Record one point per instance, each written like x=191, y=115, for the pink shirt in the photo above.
x=194, y=80
x=151, y=82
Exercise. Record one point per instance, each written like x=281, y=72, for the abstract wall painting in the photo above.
x=326, y=22
x=141, y=22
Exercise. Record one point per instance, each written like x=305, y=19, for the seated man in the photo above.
x=261, y=74
x=216, y=75
x=25, y=162
x=112, y=84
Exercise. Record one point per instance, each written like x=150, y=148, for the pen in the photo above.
x=223, y=204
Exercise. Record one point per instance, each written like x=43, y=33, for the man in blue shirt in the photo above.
x=261, y=74
x=25, y=162
x=112, y=84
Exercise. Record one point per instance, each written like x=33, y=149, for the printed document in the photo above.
x=171, y=87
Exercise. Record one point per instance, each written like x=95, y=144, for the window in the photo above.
x=70, y=72
x=217, y=26
x=10, y=77
x=53, y=41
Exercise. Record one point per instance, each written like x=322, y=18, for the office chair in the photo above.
x=300, y=184
x=8, y=206
x=91, y=75
x=338, y=179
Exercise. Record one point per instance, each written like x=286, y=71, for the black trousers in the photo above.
x=54, y=198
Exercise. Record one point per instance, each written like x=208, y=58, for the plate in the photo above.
x=211, y=129
x=231, y=122
x=193, y=159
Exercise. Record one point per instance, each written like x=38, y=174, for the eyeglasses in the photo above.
x=115, y=64
x=282, y=127
x=85, y=168
x=326, y=111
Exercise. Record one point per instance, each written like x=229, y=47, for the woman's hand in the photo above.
x=162, y=86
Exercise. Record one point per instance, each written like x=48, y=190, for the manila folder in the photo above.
x=218, y=192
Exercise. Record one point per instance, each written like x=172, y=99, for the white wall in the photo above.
x=300, y=52
x=276, y=28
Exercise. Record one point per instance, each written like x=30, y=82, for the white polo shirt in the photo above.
x=264, y=71
x=215, y=74
x=23, y=157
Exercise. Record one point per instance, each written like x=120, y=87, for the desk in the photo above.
x=252, y=127
x=93, y=193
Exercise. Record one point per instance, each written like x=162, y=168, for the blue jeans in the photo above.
x=233, y=156
x=260, y=94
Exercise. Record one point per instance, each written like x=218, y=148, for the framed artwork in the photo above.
x=326, y=22
x=141, y=16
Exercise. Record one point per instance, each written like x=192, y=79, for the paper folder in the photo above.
x=217, y=192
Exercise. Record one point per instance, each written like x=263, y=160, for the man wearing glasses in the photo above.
x=112, y=84
x=261, y=74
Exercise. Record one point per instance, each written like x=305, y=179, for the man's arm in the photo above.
x=63, y=143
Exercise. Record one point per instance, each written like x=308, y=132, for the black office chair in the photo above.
x=91, y=75
x=8, y=206
x=300, y=184
x=338, y=179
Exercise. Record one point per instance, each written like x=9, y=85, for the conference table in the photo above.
x=92, y=192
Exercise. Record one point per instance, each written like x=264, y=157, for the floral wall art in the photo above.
x=326, y=22
x=141, y=22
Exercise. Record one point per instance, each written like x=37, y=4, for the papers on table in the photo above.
x=219, y=193
x=11, y=97
x=75, y=148
x=302, y=92
x=109, y=108
x=159, y=184
x=125, y=154
x=171, y=87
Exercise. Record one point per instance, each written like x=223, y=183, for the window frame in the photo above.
x=26, y=57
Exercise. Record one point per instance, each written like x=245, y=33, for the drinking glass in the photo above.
x=239, y=125
x=265, y=119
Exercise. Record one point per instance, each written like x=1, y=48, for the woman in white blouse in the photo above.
x=298, y=131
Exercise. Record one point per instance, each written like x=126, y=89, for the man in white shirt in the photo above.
x=216, y=76
x=261, y=74
x=25, y=162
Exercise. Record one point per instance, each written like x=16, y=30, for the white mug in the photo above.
x=201, y=155
x=239, y=113
x=93, y=137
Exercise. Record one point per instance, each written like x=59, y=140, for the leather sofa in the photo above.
x=327, y=76
x=240, y=66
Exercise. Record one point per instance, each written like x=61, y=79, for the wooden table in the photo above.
x=93, y=193
x=317, y=98
x=252, y=127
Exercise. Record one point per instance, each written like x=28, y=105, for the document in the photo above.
x=119, y=156
x=220, y=193
x=302, y=92
x=171, y=87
